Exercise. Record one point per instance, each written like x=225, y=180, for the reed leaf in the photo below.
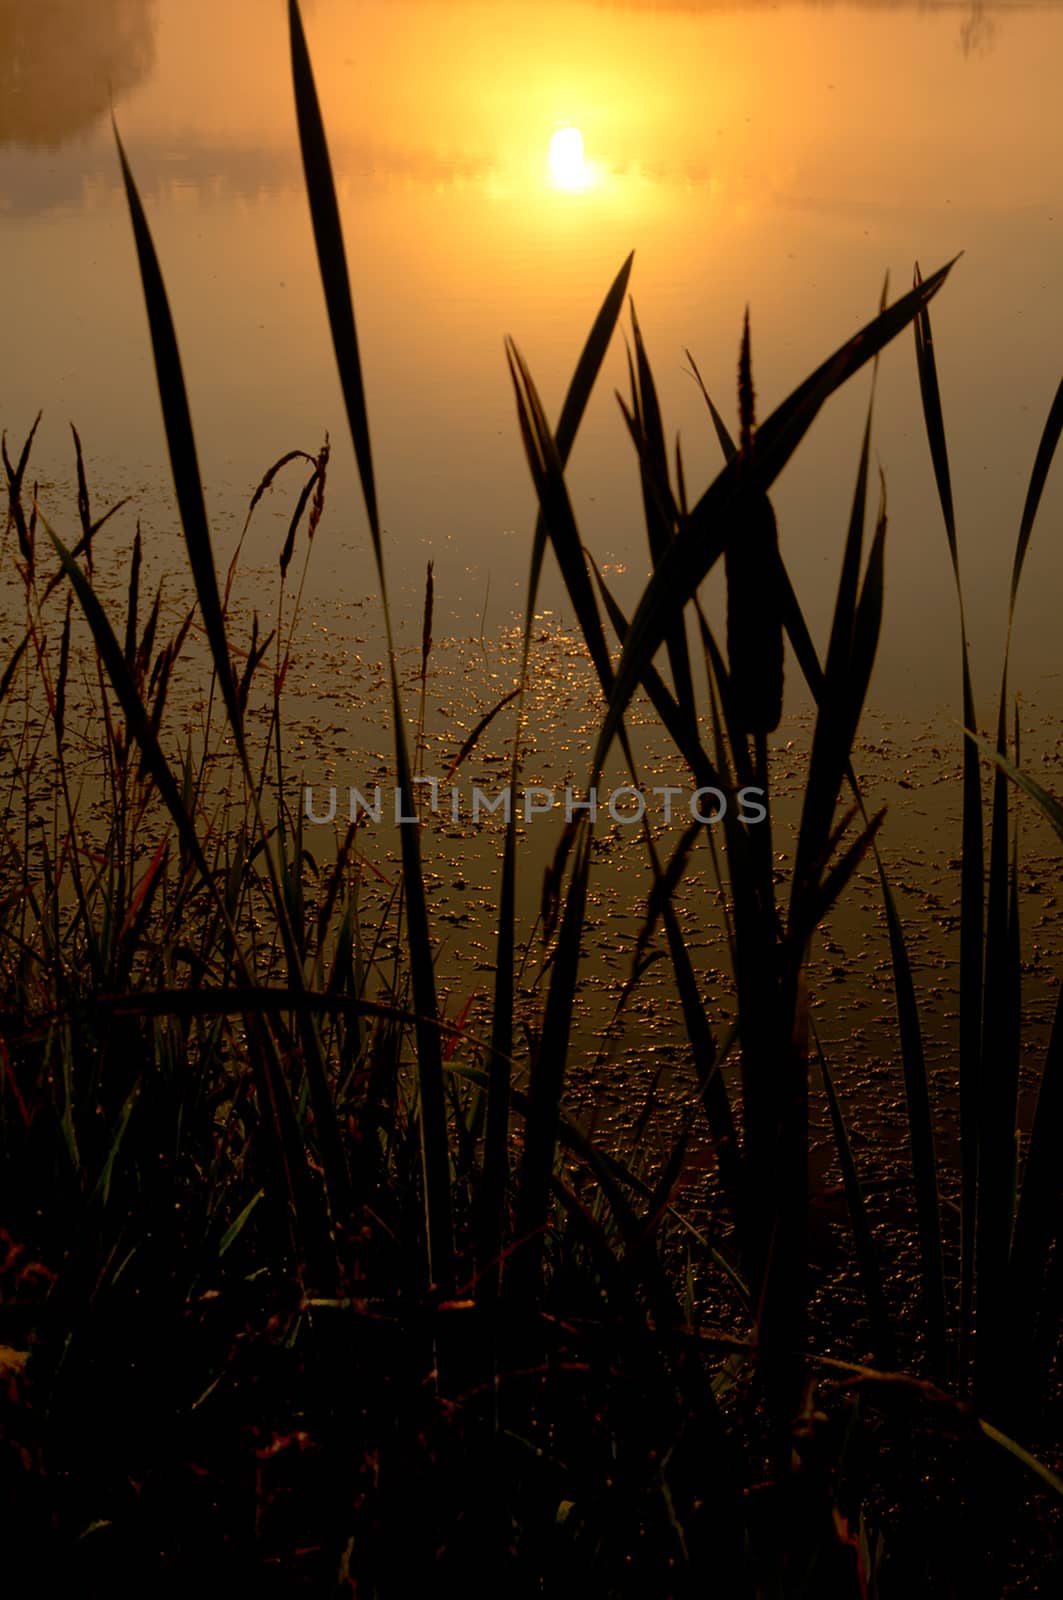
x=496, y=1131
x=660, y=528
x=714, y=519
x=972, y=904
x=180, y=440
x=332, y=264
x=273, y=1087
x=547, y=1081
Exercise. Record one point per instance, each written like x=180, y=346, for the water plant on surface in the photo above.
x=424, y=1327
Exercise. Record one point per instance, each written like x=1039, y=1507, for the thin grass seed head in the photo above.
x=317, y=506
x=426, y=626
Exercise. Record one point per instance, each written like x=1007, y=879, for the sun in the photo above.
x=566, y=161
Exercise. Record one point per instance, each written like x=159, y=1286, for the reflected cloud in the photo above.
x=978, y=30
x=569, y=106
x=62, y=60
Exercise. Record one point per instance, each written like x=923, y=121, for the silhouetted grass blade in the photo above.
x=590, y=362
x=496, y=1130
x=751, y=561
x=332, y=262
x=659, y=507
x=727, y=444
x=1042, y=463
x=972, y=888
x=182, y=447
x=548, y=477
x=132, y=706
x=754, y=625
x=547, y=1081
x=705, y=533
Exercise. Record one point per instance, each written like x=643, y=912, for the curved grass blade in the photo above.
x=920, y=1124
x=831, y=744
x=1018, y=1280
x=751, y=562
x=1030, y=1462
x=713, y=520
x=188, y=487
x=133, y=709
x=972, y=868
x=1048, y=804
x=332, y=263
x=546, y=1083
x=1001, y=1019
x=182, y=447
x=1045, y=452
x=590, y=362
x=273, y=1087
x=660, y=528
x=496, y=1130
x=727, y=444
x=548, y=476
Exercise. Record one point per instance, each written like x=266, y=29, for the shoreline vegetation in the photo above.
x=304, y=1284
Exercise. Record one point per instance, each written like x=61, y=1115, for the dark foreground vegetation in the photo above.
x=304, y=1289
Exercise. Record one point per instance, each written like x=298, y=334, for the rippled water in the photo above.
x=495, y=163
x=781, y=156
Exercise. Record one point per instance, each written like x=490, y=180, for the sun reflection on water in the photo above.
x=567, y=162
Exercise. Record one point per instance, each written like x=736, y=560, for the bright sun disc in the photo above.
x=568, y=167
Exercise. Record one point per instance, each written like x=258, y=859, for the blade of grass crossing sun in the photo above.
x=332, y=263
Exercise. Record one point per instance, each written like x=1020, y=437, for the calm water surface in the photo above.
x=495, y=164
x=781, y=156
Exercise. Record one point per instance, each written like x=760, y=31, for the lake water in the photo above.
x=780, y=156
x=495, y=163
